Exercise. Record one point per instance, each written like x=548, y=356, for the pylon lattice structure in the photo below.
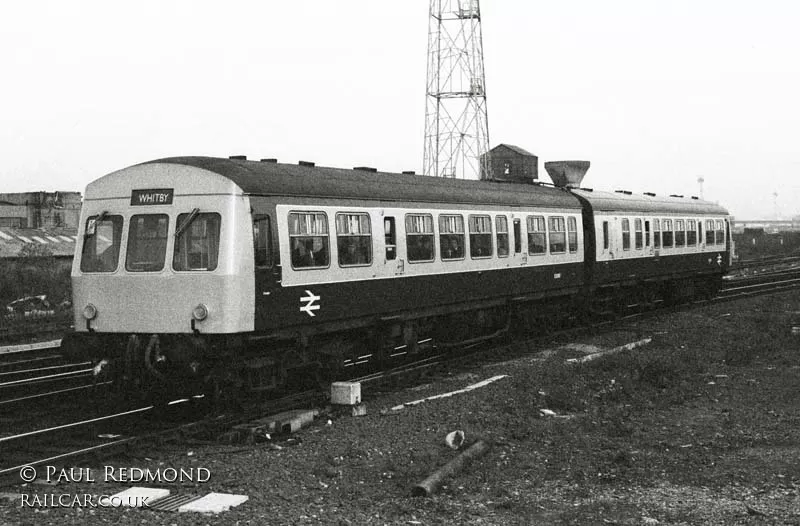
x=456, y=123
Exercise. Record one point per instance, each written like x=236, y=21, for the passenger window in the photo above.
x=680, y=233
x=101, y=243
x=517, y=236
x=197, y=242
x=720, y=237
x=626, y=234
x=147, y=243
x=353, y=239
x=262, y=242
x=647, y=233
x=537, y=235
x=605, y=235
x=667, y=234
x=390, y=238
x=637, y=239
x=451, y=237
x=691, y=232
x=480, y=237
x=558, y=235
x=501, y=224
x=572, y=230
x=656, y=233
x=709, y=232
x=419, y=237
x=308, y=239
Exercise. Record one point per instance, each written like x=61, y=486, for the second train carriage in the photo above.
x=227, y=271
x=651, y=247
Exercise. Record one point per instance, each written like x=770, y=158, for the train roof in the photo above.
x=645, y=203
x=270, y=178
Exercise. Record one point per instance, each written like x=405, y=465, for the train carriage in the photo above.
x=651, y=247
x=191, y=266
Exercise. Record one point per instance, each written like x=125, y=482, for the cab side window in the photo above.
x=308, y=240
x=262, y=242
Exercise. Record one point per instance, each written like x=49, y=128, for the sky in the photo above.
x=653, y=94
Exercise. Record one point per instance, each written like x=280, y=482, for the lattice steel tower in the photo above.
x=456, y=125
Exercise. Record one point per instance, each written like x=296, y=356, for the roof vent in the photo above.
x=238, y=157
x=366, y=169
x=306, y=163
x=409, y=172
x=626, y=192
x=269, y=160
x=567, y=174
x=676, y=195
x=651, y=194
x=695, y=198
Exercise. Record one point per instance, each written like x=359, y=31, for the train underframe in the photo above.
x=162, y=367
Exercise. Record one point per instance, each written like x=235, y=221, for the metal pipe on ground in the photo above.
x=431, y=484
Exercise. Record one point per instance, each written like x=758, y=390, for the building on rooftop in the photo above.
x=40, y=210
x=511, y=163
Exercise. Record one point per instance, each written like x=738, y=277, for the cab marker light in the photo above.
x=90, y=311
x=200, y=312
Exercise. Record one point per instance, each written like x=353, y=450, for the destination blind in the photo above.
x=152, y=196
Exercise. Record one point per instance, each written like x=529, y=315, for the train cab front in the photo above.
x=162, y=281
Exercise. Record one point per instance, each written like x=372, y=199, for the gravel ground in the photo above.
x=699, y=426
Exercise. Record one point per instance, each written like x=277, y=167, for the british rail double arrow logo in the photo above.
x=310, y=303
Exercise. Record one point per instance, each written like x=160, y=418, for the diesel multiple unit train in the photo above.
x=198, y=272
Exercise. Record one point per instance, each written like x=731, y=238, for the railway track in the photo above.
x=107, y=434
x=36, y=371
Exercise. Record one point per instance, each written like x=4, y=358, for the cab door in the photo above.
x=267, y=266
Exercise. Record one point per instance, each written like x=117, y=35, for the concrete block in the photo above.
x=214, y=503
x=137, y=497
x=345, y=393
x=291, y=421
x=358, y=410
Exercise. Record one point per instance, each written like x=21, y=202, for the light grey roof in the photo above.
x=58, y=242
x=630, y=202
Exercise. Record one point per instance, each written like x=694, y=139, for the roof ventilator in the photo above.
x=306, y=163
x=238, y=157
x=270, y=160
x=365, y=169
